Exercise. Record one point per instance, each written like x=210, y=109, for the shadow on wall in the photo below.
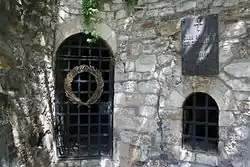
x=30, y=106
x=27, y=81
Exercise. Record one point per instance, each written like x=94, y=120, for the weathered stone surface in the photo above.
x=145, y=39
x=106, y=7
x=241, y=133
x=129, y=66
x=149, y=87
x=226, y=118
x=130, y=86
x=235, y=29
x=236, y=69
x=151, y=100
x=168, y=28
x=206, y=159
x=145, y=63
x=147, y=111
x=185, y=5
x=121, y=14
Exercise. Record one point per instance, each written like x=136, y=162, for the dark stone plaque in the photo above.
x=200, y=46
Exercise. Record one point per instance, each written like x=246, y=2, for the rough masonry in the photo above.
x=149, y=86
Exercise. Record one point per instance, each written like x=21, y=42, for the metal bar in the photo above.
x=83, y=58
x=95, y=58
x=78, y=109
x=201, y=138
x=99, y=116
x=201, y=123
x=84, y=47
x=194, y=122
x=194, y=119
x=206, y=119
x=201, y=108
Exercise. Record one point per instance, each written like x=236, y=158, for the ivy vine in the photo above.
x=90, y=12
x=90, y=9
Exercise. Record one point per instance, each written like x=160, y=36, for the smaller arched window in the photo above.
x=200, y=123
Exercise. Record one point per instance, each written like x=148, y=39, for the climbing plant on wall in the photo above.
x=90, y=9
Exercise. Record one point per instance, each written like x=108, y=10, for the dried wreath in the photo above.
x=69, y=78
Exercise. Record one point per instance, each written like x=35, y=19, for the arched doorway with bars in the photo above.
x=84, y=132
x=200, y=123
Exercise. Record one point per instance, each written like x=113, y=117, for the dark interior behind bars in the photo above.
x=84, y=132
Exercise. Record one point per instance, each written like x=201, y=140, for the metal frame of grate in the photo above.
x=200, y=123
x=84, y=133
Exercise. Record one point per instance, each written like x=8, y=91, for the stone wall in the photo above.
x=150, y=89
x=26, y=83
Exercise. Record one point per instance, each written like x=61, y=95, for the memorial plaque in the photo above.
x=200, y=46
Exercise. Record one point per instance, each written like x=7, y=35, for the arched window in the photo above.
x=200, y=122
x=84, y=132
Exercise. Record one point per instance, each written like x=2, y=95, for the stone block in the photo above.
x=120, y=76
x=136, y=49
x=171, y=113
x=168, y=28
x=147, y=111
x=226, y=118
x=163, y=59
x=110, y=15
x=223, y=133
x=145, y=63
x=228, y=3
x=175, y=99
x=118, y=88
x=185, y=5
x=69, y=164
x=158, y=5
x=201, y=4
x=173, y=132
x=234, y=148
x=235, y=69
x=148, y=49
x=116, y=6
x=123, y=38
x=240, y=133
x=239, y=85
x=134, y=100
x=125, y=112
x=106, y=7
x=130, y=86
x=218, y=3
x=128, y=123
x=134, y=76
x=151, y=100
x=235, y=29
x=206, y=159
x=119, y=98
x=152, y=86
x=117, y=1
x=149, y=33
x=241, y=96
x=166, y=11
x=225, y=52
x=150, y=76
x=129, y=66
x=123, y=149
x=121, y=14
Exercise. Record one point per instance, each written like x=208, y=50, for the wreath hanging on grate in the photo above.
x=69, y=79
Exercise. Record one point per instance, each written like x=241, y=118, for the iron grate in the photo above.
x=84, y=132
x=200, y=123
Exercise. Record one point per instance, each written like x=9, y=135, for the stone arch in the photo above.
x=75, y=51
x=76, y=26
x=200, y=108
x=215, y=88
